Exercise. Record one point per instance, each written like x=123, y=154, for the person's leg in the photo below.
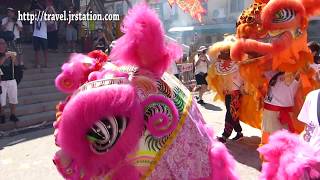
x=203, y=89
x=36, y=47
x=45, y=52
x=13, y=99
x=49, y=40
x=69, y=39
x=74, y=39
x=55, y=40
x=227, y=121
x=234, y=108
x=3, y=102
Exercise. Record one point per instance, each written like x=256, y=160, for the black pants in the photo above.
x=53, y=40
x=232, y=122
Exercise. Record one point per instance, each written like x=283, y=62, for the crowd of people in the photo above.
x=45, y=39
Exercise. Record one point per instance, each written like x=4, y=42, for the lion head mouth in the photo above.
x=272, y=43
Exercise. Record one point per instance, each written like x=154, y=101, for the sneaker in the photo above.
x=222, y=139
x=200, y=101
x=2, y=119
x=13, y=118
x=239, y=136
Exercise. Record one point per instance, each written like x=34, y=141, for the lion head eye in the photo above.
x=284, y=15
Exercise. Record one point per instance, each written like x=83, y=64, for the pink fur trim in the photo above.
x=125, y=172
x=222, y=163
x=289, y=157
x=143, y=43
x=160, y=131
x=86, y=108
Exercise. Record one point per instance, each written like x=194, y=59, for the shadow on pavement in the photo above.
x=245, y=151
x=24, y=136
x=212, y=107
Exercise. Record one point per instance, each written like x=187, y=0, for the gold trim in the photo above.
x=172, y=137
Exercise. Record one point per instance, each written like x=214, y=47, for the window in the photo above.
x=236, y=5
x=313, y=30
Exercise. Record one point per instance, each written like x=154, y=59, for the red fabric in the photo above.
x=284, y=116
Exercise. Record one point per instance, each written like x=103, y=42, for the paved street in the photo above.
x=28, y=156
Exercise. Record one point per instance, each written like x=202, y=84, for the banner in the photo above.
x=193, y=7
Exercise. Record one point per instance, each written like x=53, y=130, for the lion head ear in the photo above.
x=311, y=6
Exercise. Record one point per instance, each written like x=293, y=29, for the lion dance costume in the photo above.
x=274, y=57
x=274, y=60
x=130, y=120
x=224, y=78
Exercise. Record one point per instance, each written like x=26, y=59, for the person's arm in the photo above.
x=19, y=25
x=304, y=114
x=197, y=60
x=12, y=56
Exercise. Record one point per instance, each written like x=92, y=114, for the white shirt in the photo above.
x=40, y=29
x=9, y=27
x=202, y=67
x=173, y=68
x=281, y=94
x=308, y=115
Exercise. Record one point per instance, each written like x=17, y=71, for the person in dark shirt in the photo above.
x=8, y=82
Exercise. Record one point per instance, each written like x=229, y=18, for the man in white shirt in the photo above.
x=10, y=23
x=310, y=115
x=201, y=65
x=40, y=41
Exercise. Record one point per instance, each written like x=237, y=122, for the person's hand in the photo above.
x=11, y=55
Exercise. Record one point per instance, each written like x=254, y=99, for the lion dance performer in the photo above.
x=130, y=120
x=275, y=62
x=224, y=78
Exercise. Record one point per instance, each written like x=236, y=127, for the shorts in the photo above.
x=15, y=46
x=39, y=43
x=9, y=88
x=270, y=121
x=71, y=34
x=201, y=79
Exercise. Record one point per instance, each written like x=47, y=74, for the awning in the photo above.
x=216, y=28
x=185, y=48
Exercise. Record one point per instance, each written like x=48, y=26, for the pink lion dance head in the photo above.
x=118, y=111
